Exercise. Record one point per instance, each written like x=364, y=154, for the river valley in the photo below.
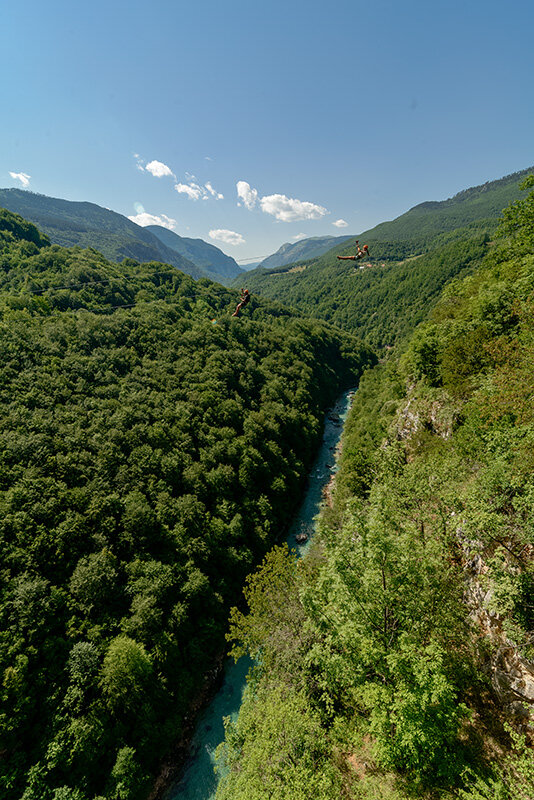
x=198, y=780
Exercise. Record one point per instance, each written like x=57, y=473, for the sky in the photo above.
x=250, y=125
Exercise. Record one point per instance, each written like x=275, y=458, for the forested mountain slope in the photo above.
x=151, y=450
x=217, y=264
x=478, y=206
x=412, y=258
x=382, y=303
x=397, y=661
x=87, y=225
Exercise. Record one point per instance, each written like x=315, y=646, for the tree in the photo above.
x=518, y=220
x=277, y=750
x=273, y=631
x=127, y=778
x=126, y=672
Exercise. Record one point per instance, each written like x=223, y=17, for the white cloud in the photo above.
x=298, y=237
x=156, y=168
x=192, y=190
x=197, y=192
x=245, y=193
x=340, y=223
x=159, y=170
x=288, y=209
x=191, y=187
x=22, y=177
x=228, y=237
x=143, y=219
x=212, y=191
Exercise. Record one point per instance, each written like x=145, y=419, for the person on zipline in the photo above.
x=243, y=300
x=360, y=254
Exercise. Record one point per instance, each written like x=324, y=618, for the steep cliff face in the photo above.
x=510, y=663
x=512, y=673
x=436, y=414
x=421, y=594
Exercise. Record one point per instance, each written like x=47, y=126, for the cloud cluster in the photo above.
x=22, y=177
x=340, y=223
x=212, y=191
x=156, y=168
x=143, y=219
x=283, y=208
x=288, y=209
x=191, y=188
x=196, y=192
x=228, y=237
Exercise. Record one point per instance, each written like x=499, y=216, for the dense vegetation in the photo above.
x=371, y=678
x=151, y=450
x=413, y=258
x=383, y=303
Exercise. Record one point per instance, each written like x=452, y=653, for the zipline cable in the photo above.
x=92, y=283
x=105, y=280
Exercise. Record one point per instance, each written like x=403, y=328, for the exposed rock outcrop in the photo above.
x=437, y=414
x=512, y=675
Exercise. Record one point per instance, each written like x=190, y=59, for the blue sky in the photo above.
x=320, y=113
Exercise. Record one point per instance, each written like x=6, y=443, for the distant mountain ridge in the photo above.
x=305, y=248
x=477, y=207
x=69, y=223
x=201, y=253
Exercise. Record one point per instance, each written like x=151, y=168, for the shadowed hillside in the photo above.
x=217, y=265
x=87, y=225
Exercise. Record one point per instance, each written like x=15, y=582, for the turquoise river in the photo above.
x=198, y=780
